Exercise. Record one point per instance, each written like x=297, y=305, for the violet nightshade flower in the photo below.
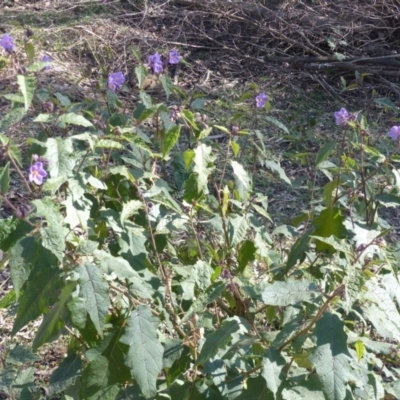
x=7, y=43
x=261, y=100
x=174, y=57
x=46, y=58
x=155, y=63
x=37, y=173
x=394, y=133
x=115, y=81
x=341, y=116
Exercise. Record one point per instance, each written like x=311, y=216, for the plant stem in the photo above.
x=26, y=183
x=336, y=293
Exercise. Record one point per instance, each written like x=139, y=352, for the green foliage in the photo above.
x=155, y=253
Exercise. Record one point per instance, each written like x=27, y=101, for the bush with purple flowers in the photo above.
x=153, y=238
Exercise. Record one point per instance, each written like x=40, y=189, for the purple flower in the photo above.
x=115, y=81
x=342, y=116
x=46, y=58
x=394, y=133
x=261, y=100
x=7, y=43
x=155, y=63
x=37, y=173
x=174, y=57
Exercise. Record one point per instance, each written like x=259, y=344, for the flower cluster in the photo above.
x=116, y=80
x=37, y=173
x=341, y=117
x=7, y=43
x=156, y=65
x=261, y=100
x=47, y=59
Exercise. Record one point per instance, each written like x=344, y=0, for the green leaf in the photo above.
x=217, y=340
x=247, y=253
x=337, y=244
x=388, y=199
x=64, y=100
x=331, y=356
x=8, y=299
x=95, y=292
x=67, y=373
x=167, y=84
x=329, y=223
x=106, y=364
x=277, y=123
x=109, y=144
x=380, y=309
x=273, y=369
x=360, y=349
x=192, y=189
x=124, y=272
x=60, y=155
x=54, y=321
x=43, y=118
x=237, y=229
x=24, y=384
x=74, y=119
x=15, y=98
x=11, y=230
x=275, y=167
x=203, y=165
x=215, y=369
x=27, y=86
x=30, y=51
x=7, y=376
x=129, y=209
x=173, y=349
x=170, y=139
x=290, y=292
x=197, y=104
x=145, y=356
x=261, y=211
x=385, y=101
x=235, y=148
x=207, y=297
x=19, y=355
x=189, y=117
x=141, y=73
x=11, y=118
x=202, y=272
x=53, y=233
x=39, y=295
x=77, y=308
x=23, y=254
x=324, y=152
x=242, y=180
x=5, y=178
x=256, y=389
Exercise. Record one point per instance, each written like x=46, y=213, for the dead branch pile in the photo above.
x=316, y=37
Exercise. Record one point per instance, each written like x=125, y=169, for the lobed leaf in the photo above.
x=290, y=292
x=145, y=355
